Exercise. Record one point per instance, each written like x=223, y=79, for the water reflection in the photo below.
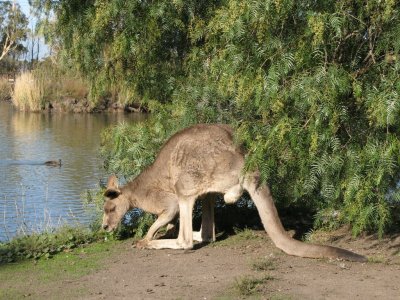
x=36, y=196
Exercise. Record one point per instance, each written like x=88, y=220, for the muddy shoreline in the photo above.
x=76, y=105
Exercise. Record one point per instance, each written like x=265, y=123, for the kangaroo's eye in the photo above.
x=112, y=209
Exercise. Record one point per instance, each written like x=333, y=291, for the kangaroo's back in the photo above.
x=200, y=159
x=189, y=138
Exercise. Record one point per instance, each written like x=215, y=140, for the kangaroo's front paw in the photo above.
x=142, y=244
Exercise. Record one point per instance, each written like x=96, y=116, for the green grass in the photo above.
x=247, y=286
x=75, y=264
x=376, y=259
x=263, y=264
x=69, y=265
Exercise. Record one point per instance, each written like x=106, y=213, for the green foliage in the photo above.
x=136, y=45
x=93, y=201
x=45, y=245
x=312, y=88
x=143, y=224
x=135, y=224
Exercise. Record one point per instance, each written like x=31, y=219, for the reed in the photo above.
x=28, y=219
x=28, y=92
x=39, y=234
x=5, y=89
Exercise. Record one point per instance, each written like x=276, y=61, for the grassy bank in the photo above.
x=35, y=245
x=47, y=244
x=37, y=89
x=21, y=279
x=51, y=87
x=34, y=278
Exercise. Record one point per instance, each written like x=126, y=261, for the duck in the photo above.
x=53, y=163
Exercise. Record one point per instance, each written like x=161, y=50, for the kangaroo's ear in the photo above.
x=112, y=187
x=112, y=182
x=112, y=193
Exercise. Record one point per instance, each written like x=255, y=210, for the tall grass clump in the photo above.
x=28, y=92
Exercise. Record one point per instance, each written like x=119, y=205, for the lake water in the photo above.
x=36, y=197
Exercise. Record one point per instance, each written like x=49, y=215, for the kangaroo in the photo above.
x=166, y=209
x=194, y=162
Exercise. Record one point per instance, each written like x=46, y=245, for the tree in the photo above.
x=13, y=28
x=312, y=88
x=136, y=47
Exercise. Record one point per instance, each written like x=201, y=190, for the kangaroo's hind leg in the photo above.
x=162, y=220
x=185, y=237
x=207, y=230
x=167, y=216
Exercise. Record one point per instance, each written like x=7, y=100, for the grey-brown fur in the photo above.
x=196, y=161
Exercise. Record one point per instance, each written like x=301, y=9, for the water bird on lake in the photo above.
x=53, y=163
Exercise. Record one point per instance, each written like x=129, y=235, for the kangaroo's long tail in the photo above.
x=263, y=200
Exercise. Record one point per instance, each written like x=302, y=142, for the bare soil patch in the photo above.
x=244, y=266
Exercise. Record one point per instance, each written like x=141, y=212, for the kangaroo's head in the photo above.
x=115, y=205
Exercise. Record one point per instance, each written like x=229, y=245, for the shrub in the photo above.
x=5, y=89
x=311, y=87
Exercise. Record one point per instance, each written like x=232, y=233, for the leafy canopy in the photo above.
x=312, y=88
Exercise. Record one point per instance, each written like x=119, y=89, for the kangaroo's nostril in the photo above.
x=105, y=226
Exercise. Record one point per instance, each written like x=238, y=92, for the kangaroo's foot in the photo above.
x=141, y=244
x=167, y=244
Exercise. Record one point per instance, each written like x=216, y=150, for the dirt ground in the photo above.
x=247, y=266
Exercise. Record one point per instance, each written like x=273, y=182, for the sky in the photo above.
x=25, y=7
